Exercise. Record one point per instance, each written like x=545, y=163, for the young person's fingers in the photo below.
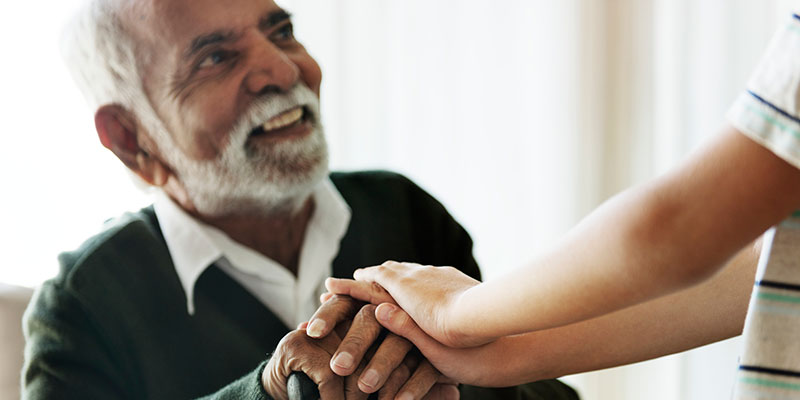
x=364, y=291
x=325, y=297
x=385, y=274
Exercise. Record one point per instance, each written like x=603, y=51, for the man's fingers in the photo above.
x=443, y=391
x=351, y=387
x=297, y=343
x=330, y=313
x=398, y=378
x=387, y=358
x=364, y=291
x=298, y=352
x=330, y=385
x=315, y=365
x=352, y=392
x=342, y=328
x=420, y=382
x=362, y=333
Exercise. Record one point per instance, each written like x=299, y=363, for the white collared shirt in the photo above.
x=194, y=246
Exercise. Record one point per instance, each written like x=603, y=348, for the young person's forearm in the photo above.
x=645, y=243
x=706, y=313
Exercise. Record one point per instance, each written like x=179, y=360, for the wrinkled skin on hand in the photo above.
x=353, y=358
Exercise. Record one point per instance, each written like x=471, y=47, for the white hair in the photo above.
x=99, y=53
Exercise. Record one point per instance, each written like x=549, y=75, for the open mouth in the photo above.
x=282, y=122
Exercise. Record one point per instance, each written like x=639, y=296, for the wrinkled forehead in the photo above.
x=165, y=28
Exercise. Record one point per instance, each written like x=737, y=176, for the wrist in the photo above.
x=518, y=365
x=463, y=319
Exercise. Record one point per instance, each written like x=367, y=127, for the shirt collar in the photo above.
x=194, y=245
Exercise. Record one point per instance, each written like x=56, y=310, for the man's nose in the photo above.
x=271, y=69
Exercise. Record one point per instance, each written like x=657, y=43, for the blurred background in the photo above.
x=521, y=116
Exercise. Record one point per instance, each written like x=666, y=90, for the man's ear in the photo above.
x=119, y=132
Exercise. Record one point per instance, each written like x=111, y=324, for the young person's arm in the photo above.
x=706, y=313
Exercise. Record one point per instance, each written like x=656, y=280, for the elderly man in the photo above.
x=216, y=104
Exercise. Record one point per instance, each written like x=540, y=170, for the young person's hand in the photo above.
x=430, y=295
x=484, y=365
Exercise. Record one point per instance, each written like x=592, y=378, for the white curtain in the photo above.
x=58, y=186
x=521, y=116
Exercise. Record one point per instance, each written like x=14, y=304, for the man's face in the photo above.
x=236, y=98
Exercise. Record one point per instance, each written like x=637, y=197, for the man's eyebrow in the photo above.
x=274, y=18
x=208, y=39
x=198, y=43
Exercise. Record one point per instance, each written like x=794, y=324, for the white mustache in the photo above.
x=268, y=107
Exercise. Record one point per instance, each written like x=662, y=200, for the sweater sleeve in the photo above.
x=67, y=356
x=247, y=387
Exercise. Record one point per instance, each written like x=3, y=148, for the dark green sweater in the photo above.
x=113, y=324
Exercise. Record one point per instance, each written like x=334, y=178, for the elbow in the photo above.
x=665, y=239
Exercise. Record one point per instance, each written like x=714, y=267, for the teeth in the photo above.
x=283, y=120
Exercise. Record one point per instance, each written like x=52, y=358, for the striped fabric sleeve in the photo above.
x=769, y=110
x=769, y=367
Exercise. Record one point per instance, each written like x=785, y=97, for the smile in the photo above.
x=283, y=120
x=286, y=124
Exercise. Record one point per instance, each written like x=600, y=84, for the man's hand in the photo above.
x=297, y=352
x=392, y=366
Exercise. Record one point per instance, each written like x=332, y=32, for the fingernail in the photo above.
x=370, y=378
x=344, y=360
x=315, y=329
x=385, y=312
x=405, y=396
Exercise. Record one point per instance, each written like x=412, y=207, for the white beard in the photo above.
x=245, y=180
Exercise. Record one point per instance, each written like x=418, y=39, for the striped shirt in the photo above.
x=769, y=113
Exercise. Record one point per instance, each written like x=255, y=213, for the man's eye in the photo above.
x=215, y=58
x=285, y=32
